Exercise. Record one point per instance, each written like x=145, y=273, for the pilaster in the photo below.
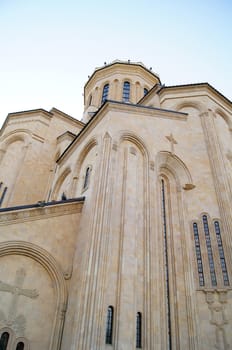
x=220, y=178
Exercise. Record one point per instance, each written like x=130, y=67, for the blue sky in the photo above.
x=48, y=48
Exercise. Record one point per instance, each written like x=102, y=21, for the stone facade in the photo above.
x=115, y=232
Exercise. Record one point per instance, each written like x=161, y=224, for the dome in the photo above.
x=123, y=81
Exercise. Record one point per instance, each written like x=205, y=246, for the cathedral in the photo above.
x=116, y=231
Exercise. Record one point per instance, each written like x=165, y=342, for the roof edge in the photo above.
x=204, y=84
x=129, y=63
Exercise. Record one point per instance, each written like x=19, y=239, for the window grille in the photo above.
x=105, y=92
x=198, y=255
x=221, y=254
x=209, y=251
x=126, y=91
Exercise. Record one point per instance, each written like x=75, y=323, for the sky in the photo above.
x=49, y=48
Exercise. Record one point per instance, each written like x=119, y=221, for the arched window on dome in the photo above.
x=145, y=91
x=4, y=340
x=105, y=92
x=126, y=91
x=20, y=346
x=90, y=100
x=109, y=325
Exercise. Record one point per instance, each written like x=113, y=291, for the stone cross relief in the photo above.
x=14, y=321
x=172, y=142
x=216, y=302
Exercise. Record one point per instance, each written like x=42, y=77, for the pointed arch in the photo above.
x=129, y=136
x=85, y=150
x=226, y=117
x=16, y=135
x=54, y=270
x=126, y=91
x=193, y=104
x=60, y=181
x=177, y=167
x=77, y=169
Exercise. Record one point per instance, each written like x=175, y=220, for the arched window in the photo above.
x=90, y=100
x=4, y=340
x=20, y=346
x=126, y=91
x=167, y=279
x=2, y=197
x=145, y=91
x=87, y=178
x=138, y=330
x=209, y=251
x=105, y=92
x=109, y=325
x=198, y=255
x=221, y=254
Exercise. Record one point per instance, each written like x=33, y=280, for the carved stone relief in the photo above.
x=216, y=301
x=13, y=320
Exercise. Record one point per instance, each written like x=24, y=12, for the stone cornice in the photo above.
x=119, y=67
x=68, y=135
x=122, y=64
x=40, y=211
x=16, y=117
x=197, y=90
x=57, y=113
x=32, y=112
x=151, y=111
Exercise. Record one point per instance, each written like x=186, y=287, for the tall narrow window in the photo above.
x=87, y=178
x=221, y=254
x=2, y=198
x=20, y=346
x=198, y=255
x=4, y=340
x=145, y=91
x=166, y=263
x=90, y=100
x=209, y=251
x=139, y=330
x=105, y=92
x=126, y=91
x=109, y=325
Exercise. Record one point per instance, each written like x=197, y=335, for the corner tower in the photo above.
x=119, y=81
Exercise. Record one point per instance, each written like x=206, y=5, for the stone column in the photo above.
x=138, y=92
x=90, y=308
